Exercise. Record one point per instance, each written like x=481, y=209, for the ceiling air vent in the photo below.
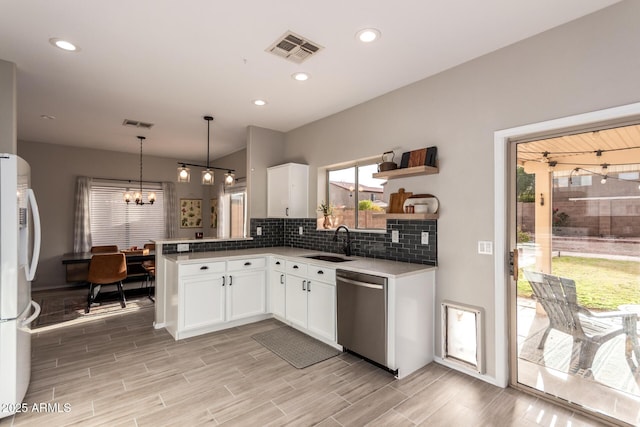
x=294, y=47
x=137, y=124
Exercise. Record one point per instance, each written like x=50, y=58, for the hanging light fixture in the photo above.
x=137, y=195
x=207, y=174
x=229, y=178
x=184, y=173
x=604, y=173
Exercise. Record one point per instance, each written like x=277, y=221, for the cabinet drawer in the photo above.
x=200, y=268
x=295, y=267
x=321, y=274
x=278, y=263
x=246, y=264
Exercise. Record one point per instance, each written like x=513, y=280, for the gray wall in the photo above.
x=586, y=65
x=54, y=169
x=265, y=148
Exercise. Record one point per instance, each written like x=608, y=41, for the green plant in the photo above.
x=560, y=219
x=523, y=236
x=325, y=208
x=368, y=205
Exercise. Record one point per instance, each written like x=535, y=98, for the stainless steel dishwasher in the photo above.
x=362, y=314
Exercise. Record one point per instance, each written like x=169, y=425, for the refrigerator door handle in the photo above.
x=35, y=314
x=33, y=265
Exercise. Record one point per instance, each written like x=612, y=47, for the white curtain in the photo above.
x=170, y=210
x=82, y=224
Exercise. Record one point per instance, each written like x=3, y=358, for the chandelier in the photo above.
x=184, y=173
x=137, y=195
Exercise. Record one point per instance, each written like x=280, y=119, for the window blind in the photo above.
x=114, y=222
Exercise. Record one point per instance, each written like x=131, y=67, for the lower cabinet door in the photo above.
x=246, y=294
x=277, y=292
x=321, y=303
x=296, y=300
x=202, y=301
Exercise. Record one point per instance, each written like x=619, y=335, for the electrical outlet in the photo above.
x=182, y=247
x=300, y=230
x=485, y=247
x=424, y=238
x=258, y=231
x=395, y=236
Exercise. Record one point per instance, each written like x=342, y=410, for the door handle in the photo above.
x=35, y=255
x=304, y=282
x=204, y=267
x=282, y=279
x=286, y=212
x=224, y=279
x=246, y=264
x=230, y=280
x=309, y=286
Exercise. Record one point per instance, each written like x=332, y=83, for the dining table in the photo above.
x=77, y=264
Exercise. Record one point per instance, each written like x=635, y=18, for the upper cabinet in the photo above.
x=287, y=191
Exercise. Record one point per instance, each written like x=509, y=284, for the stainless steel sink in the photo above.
x=329, y=258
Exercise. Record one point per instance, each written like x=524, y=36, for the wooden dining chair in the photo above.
x=150, y=269
x=106, y=269
x=104, y=249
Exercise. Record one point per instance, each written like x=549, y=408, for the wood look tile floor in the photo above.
x=120, y=371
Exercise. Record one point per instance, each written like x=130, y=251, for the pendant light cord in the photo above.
x=141, y=139
x=208, y=119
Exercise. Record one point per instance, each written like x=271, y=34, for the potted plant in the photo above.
x=327, y=211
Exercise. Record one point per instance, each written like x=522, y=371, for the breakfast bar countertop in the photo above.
x=358, y=264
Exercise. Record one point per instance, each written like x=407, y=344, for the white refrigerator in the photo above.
x=19, y=252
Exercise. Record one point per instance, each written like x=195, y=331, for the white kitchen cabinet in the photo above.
x=216, y=295
x=246, y=288
x=277, y=283
x=296, y=300
x=287, y=189
x=311, y=299
x=201, y=294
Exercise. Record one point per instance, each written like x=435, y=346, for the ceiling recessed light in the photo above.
x=368, y=35
x=64, y=45
x=259, y=102
x=300, y=76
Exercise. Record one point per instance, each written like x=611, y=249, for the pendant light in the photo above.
x=184, y=173
x=137, y=195
x=207, y=174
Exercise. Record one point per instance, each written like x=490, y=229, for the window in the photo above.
x=114, y=222
x=356, y=197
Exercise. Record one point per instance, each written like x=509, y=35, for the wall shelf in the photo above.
x=418, y=216
x=407, y=172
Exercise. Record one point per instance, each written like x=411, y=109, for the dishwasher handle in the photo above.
x=358, y=283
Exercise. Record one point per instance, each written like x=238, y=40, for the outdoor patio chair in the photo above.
x=589, y=330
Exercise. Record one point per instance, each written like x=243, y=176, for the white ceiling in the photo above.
x=171, y=62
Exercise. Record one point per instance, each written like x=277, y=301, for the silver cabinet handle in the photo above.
x=304, y=282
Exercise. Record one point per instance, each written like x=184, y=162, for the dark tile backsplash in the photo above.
x=285, y=232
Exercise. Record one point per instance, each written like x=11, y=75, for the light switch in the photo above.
x=301, y=230
x=182, y=247
x=485, y=247
x=258, y=231
x=395, y=236
x=424, y=238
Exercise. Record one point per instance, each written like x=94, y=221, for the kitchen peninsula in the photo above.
x=201, y=292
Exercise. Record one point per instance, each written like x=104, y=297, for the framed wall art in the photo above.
x=190, y=213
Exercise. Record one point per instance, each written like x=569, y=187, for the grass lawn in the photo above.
x=602, y=284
